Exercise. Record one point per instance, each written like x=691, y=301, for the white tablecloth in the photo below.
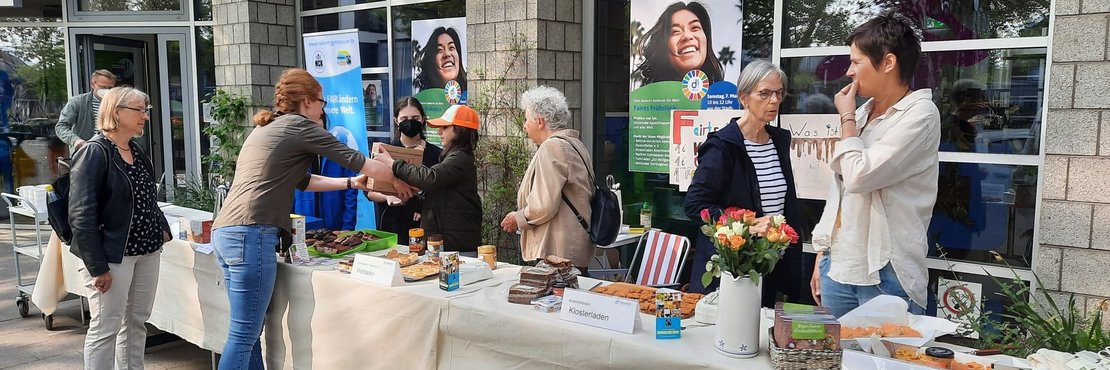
x=485, y=331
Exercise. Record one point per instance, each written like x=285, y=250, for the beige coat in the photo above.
x=547, y=225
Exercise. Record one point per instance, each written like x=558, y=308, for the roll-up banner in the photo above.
x=333, y=58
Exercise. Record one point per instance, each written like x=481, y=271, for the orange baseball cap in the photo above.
x=457, y=115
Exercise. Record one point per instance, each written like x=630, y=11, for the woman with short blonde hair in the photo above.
x=118, y=231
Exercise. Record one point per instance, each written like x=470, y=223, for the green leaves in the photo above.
x=230, y=112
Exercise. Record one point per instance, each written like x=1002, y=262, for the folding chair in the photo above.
x=659, y=259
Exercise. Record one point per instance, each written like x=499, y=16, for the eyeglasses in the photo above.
x=766, y=94
x=140, y=110
x=323, y=102
x=406, y=118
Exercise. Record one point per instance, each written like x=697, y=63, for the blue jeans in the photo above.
x=246, y=255
x=841, y=298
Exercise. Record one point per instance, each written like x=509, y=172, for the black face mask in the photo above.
x=411, y=127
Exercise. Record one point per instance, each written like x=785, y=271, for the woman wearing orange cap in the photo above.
x=452, y=207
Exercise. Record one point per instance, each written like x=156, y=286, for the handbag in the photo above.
x=605, y=210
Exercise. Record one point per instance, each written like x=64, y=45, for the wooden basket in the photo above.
x=802, y=359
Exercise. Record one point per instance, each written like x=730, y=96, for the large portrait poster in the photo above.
x=333, y=59
x=813, y=140
x=685, y=55
x=439, y=63
x=690, y=128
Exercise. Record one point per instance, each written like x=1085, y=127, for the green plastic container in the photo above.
x=388, y=240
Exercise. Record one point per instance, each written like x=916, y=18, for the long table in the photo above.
x=323, y=319
x=320, y=318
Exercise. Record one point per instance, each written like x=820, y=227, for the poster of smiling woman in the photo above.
x=439, y=63
x=684, y=55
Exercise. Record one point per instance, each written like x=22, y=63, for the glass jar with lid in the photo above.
x=416, y=240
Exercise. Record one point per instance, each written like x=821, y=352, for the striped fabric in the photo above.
x=662, y=258
x=95, y=111
x=768, y=171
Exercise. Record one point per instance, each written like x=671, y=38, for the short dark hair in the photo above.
x=889, y=33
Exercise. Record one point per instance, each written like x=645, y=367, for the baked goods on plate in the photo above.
x=420, y=271
x=405, y=259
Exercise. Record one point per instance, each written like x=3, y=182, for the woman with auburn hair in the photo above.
x=254, y=220
x=118, y=231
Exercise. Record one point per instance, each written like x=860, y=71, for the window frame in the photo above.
x=778, y=53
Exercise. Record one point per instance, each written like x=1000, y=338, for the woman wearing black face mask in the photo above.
x=396, y=216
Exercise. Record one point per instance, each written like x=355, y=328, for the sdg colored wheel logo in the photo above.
x=695, y=85
x=452, y=92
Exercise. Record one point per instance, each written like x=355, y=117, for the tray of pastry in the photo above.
x=420, y=271
x=404, y=259
x=646, y=296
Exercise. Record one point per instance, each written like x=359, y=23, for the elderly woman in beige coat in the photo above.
x=560, y=172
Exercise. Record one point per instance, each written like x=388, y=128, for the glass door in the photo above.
x=180, y=133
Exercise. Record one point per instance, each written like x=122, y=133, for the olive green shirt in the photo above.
x=274, y=160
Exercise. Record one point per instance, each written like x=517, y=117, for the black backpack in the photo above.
x=57, y=209
x=605, y=210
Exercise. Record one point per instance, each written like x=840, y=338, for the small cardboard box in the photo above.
x=298, y=228
x=413, y=156
x=197, y=231
x=449, y=274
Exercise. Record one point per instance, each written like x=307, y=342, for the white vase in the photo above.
x=738, y=311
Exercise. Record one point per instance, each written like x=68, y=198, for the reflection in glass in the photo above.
x=989, y=100
x=378, y=105
x=206, y=85
x=828, y=22
x=32, y=93
x=982, y=208
x=372, y=36
x=176, y=111
x=128, y=5
x=203, y=9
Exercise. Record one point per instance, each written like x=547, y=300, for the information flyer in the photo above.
x=684, y=56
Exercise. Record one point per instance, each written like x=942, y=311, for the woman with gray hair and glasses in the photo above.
x=559, y=174
x=746, y=164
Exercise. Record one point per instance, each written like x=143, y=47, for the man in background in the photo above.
x=77, y=122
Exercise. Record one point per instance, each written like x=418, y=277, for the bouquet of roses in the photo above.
x=745, y=245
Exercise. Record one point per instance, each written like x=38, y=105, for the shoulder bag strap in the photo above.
x=577, y=215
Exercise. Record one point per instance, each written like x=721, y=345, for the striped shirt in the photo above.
x=95, y=113
x=768, y=172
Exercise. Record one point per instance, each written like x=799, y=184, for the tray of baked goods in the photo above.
x=646, y=296
x=336, y=244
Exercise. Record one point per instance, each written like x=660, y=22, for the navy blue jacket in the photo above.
x=726, y=178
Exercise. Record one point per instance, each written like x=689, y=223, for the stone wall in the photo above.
x=254, y=41
x=1074, y=255
x=513, y=45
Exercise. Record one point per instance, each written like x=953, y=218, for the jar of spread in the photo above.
x=435, y=245
x=558, y=287
x=416, y=240
x=488, y=253
x=939, y=357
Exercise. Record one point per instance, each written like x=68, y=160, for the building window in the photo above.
x=32, y=94
x=372, y=36
x=828, y=23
